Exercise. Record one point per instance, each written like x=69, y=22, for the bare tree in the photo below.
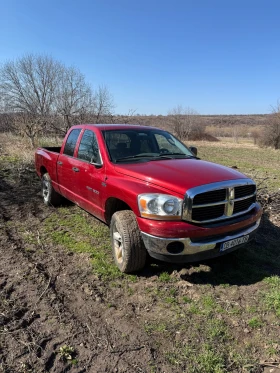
x=2, y=101
x=235, y=134
x=183, y=121
x=130, y=117
x=39, y=93
x=28, y=86
x=271, y=134
x=103, y=105
x=255, y=135
x=73, y=100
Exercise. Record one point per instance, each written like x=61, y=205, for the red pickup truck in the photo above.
x=153, y=192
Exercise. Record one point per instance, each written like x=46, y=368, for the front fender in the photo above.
x=127, y=190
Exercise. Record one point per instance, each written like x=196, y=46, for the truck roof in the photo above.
x=114, y=126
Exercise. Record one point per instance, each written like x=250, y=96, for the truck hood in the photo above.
x=178, y=175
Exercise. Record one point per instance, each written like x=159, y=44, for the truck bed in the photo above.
x=54, y=149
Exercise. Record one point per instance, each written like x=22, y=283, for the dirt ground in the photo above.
x=56, y=315
x=51, y=299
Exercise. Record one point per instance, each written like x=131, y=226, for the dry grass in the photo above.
x=242, y=130
x=18, y=148
x=225, y=142
x=256, y=162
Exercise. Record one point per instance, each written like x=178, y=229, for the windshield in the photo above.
x=134, y=145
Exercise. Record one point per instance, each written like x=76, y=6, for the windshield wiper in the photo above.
x=135, y=157
x=151, y=157
x=182, y=155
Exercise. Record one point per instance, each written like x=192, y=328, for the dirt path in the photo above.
x=51, y=299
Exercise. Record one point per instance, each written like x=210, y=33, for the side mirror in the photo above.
x=193, y=149
x=96, y=161
x=96, y=164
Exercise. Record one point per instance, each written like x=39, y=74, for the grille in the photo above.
x=244, y=190
x=208, y=213
x=209, y=197
x=221, y=201
x=244, y=204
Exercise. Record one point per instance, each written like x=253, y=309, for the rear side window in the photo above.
x=71, y=142
x=88, y=149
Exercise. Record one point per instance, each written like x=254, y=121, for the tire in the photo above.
x=50, y=196
x=128, y=248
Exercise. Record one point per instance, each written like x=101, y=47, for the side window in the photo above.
x=71, y=142
x=88, y=149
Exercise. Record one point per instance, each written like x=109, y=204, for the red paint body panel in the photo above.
x=92, y=186
x=47, y=160
x=169, y=229
x=178, y=175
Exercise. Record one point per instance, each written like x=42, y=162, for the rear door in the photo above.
x=67, y=168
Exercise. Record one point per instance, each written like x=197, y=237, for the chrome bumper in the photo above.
x=159, y=245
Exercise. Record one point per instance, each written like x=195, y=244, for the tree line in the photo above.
x=39, y=94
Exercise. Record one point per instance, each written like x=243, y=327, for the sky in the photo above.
x=213, y=56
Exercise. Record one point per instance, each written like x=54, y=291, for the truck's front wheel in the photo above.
x=50, y=196
x=128, y=248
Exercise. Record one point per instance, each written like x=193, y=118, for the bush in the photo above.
x=271, y=134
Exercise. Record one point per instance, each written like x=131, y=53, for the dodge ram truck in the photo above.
x=156, y=195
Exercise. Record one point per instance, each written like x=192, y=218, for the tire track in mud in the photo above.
x=18, y=322
x=45, y=308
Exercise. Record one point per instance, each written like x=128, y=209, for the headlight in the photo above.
x=160, y=206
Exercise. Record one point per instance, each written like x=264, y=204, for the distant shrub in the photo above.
x=204, y=136
x=270, y=136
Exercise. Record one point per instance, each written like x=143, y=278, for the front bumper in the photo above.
x=178, y=250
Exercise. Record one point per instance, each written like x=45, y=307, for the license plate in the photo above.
x=237, y=241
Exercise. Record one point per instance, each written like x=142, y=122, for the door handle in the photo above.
x=59, y=162
x=75, y=169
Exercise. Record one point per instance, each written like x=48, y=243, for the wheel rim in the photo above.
x=118, y=245
x=45, y=189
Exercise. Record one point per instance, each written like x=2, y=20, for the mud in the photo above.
x=51, y=299
x=57, y=316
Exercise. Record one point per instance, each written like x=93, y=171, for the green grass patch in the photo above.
x=272, y=295
x=255, y=322
x=209, y=305
x=152, y=327
x=10, y=159
x=186, y=299
x=216, y=329
x=170, y=300
x=77, y=231
x=164, y=277
x=206, y=359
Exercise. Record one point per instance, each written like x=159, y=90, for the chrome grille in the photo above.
x=208, y=197
x=244, y=190
x=244, y=204
x=208, y=213
x=219, y=201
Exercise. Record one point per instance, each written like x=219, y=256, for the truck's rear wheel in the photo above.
x=50, y=196
x=128, y=248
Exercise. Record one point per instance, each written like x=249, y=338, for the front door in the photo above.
x=91, y=174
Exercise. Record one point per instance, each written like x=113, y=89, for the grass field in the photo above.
x=217, y=316
x=249, y=158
